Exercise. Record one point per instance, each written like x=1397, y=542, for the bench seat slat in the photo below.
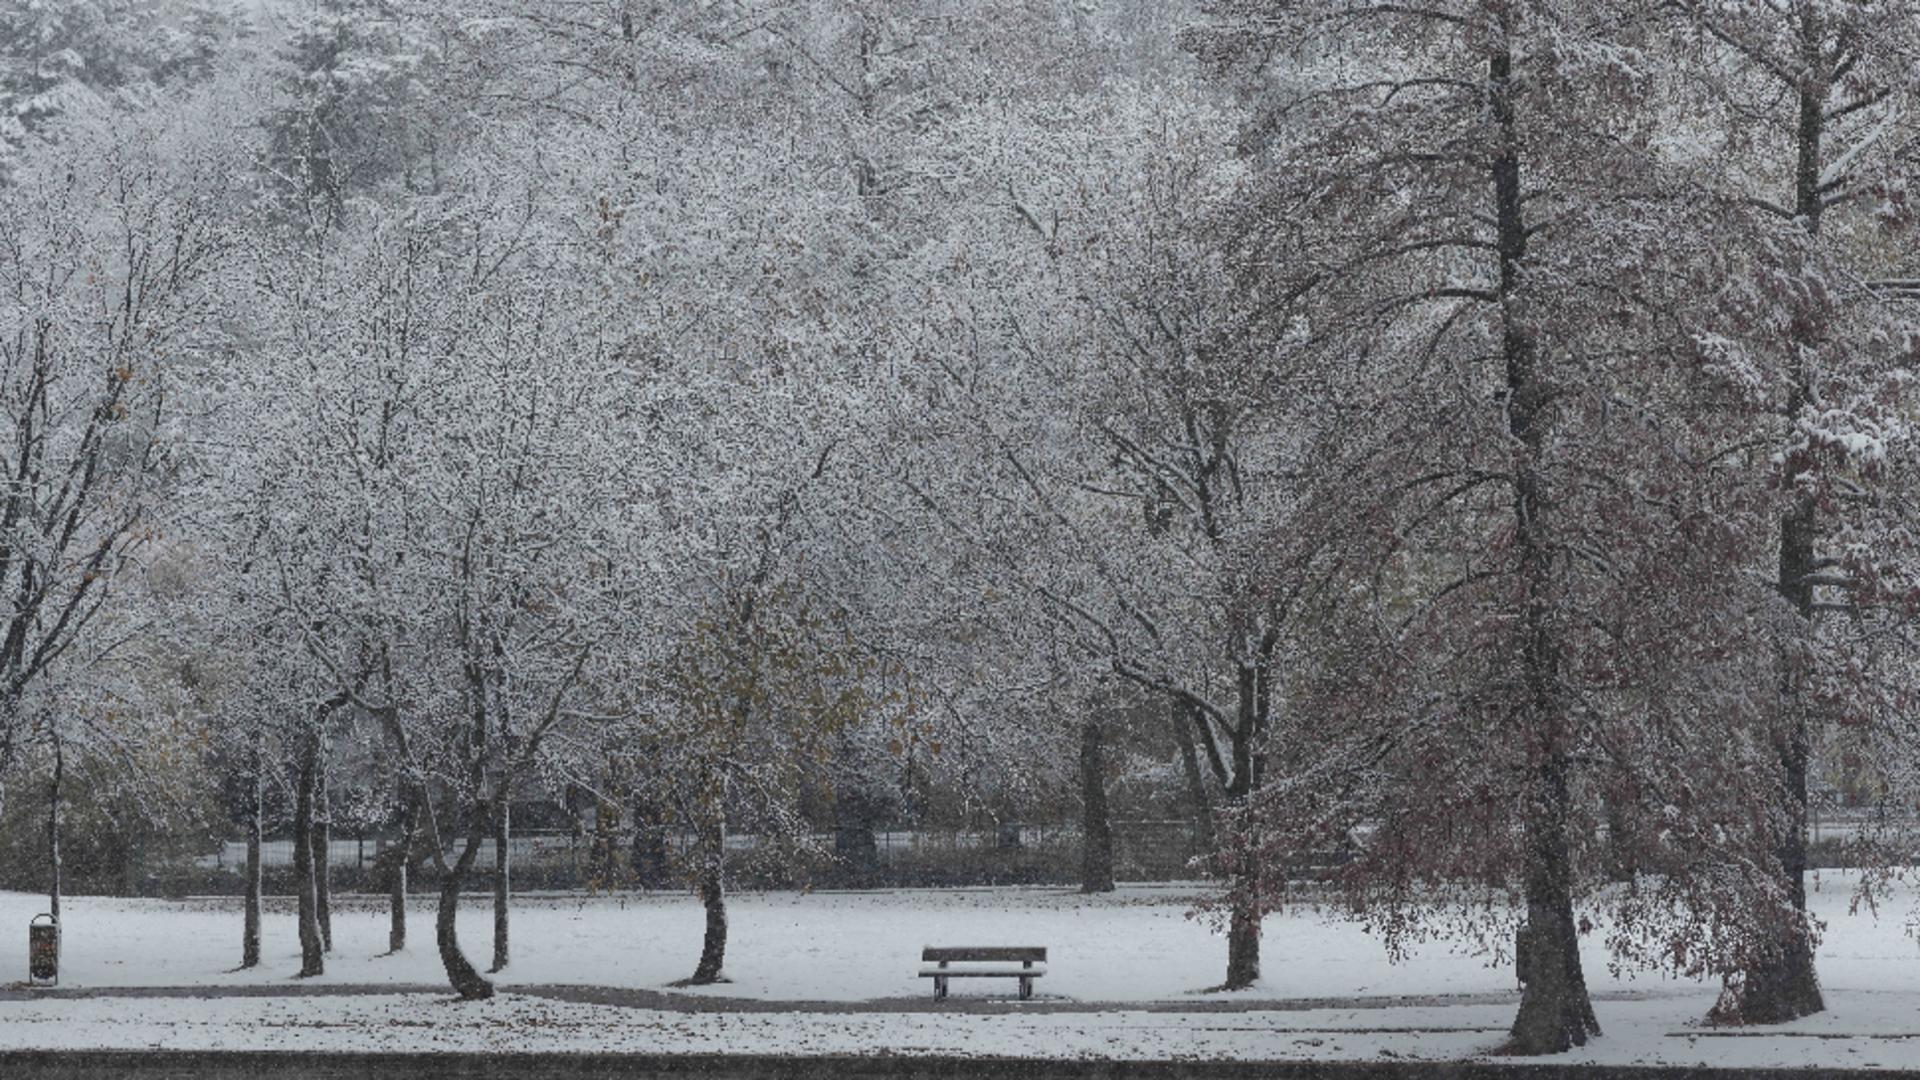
x=981, y=973
x=934, y=953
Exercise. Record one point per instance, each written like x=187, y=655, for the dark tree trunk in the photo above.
x=130, y=857
x=1255, y=701
x=1622, y=863
x=1243, y=930
x=323, y=850
x=250, y=933
x=649, y=855
x=713, y=946
x=312, y=959
x=501, y=827
x=467, y=982
x=53, y=829
x=855, y=846
x=1555, y=1013
x=398, y=859
x=1782, y=984
x=1096, y=850
x=858, y=849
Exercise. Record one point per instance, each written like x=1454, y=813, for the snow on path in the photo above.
x=515, y=1022
x=1637, y=1032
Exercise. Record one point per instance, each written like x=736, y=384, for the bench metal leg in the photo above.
x=939, y=987
x=1026, y=987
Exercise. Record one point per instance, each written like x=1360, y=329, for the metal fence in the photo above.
x=362, y=851
x=1154, y=849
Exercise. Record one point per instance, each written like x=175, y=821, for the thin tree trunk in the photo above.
x=53, y=829
x=1244, y=891
x=649, y=856
x=397, y=879
x=501, y=827
x=467, y=982
x=1096, y=851
x=250, y=932
x=323, y=847
x=312, y=953
x=713, y=946
x=603, y=856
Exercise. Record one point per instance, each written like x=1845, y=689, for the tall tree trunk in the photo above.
x=467, y=982
x=1096, y=846
x=501, y=827
x=1243, y=928
x=323, y=847
x=1254, y=696
x=1782, y=984
x=250, y=933
x=53, y=828
x=401, y=856
x=1556, y=1012
x=713, y=946
x=312, y=954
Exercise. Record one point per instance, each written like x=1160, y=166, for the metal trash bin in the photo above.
x=43, y=951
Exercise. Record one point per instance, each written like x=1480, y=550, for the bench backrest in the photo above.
x=936, y=953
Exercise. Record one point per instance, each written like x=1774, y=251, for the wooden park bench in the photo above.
x=989, y=962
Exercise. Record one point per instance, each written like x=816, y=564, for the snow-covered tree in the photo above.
x=1810, y=110
x=85, y=59
x=112, y=254
x=1543, y=502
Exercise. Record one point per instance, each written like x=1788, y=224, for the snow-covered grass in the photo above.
x=1137, y=944
x=1111, y=953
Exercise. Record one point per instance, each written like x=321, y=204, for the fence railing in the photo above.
x=361, y=852
x=1162, y=845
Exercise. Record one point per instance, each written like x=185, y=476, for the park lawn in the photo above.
x=1131, y=948
x=1138, y=944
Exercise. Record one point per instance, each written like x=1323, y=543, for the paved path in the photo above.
x=291, y=988
x=670, y=1001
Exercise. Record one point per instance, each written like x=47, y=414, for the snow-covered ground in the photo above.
x=1138, y=944
x=1110, y=954
x=1861, y=1030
